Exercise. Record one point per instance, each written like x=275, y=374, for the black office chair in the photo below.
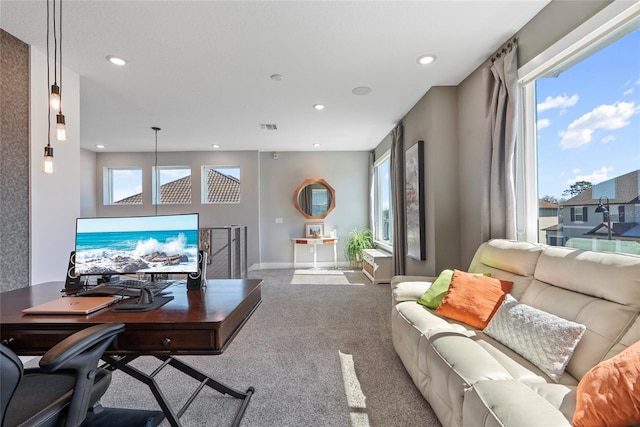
x=67, y=383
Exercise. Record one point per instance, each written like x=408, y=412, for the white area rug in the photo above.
x=319, y=277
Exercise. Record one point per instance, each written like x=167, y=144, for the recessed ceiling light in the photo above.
x=362, y=90
x=318, y=106
x=215, y=146
x=100, y=146
x=426, y=59
x=116, y=60
x=316, y=144
x=277, y=77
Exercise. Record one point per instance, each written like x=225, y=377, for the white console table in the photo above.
x=304, y=241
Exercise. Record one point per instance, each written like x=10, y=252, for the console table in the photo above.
x=305, y=241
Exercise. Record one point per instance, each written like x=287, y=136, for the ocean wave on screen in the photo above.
x=173, y=246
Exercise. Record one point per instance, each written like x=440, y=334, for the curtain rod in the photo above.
x=505, y=49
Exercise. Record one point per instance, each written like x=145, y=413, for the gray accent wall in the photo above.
x=346, y=171
x=266, y=193
x=211, y=215
x=14, y=162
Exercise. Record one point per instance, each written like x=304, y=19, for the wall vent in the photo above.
x=268, y=126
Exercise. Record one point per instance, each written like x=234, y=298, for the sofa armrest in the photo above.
x=508, y=404
x=411, y=290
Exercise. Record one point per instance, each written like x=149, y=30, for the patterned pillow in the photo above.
x=546, y=340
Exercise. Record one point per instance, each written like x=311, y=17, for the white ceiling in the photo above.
x=200, y=70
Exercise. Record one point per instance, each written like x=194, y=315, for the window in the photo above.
x=581, y=113
x=171, y=185
x=383, y=215
x=220, y=184
x=122, y=186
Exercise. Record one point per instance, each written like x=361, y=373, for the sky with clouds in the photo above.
x=588, y=119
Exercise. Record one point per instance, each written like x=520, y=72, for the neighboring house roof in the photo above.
x=222, y=189
x=554, y=227
x=621, y=229
x=543, y=204
x=623, y=189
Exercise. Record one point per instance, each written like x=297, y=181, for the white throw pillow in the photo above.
x=544, y=339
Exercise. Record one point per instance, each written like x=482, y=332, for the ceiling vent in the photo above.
x=268, y=126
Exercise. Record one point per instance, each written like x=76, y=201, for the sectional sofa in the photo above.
x=471, y=378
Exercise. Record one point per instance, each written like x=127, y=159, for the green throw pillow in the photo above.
x=434, y=295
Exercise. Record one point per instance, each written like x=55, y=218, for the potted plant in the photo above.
x=356, y=241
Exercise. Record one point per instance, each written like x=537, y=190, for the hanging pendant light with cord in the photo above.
x=54, y=99
x=47, y=163
x=61, y=132
x=155, y=168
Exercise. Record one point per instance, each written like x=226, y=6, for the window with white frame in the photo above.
x=382, y=214
x=122, y=186
x=220, y=184
x=171, y=185
x=581, y=127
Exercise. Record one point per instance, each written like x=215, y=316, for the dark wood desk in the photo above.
x=202, y=322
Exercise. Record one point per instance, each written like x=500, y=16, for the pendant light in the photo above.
x=155, y=168
x=54, y=98
x=47, y=163
x=61, y=132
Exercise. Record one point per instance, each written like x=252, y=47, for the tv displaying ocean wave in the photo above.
x=127, y=245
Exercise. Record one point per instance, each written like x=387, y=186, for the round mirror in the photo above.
x=314, y=198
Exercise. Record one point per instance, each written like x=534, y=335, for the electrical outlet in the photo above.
x=278, y=220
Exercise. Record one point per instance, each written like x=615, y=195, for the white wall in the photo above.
x=55, y=199
x=88, y=195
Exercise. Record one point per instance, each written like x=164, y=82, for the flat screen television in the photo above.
x=141, y=244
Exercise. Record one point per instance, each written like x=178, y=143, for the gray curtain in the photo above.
x=372, y=207
x=499, y=201
x=397, y=200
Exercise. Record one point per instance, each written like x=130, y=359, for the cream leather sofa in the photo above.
x=470, y=379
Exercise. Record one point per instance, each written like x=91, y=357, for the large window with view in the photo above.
x=587, y=127
x=122, y=186
x=382, y=212
x=171, y=185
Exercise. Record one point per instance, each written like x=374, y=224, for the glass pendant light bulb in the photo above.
x=55, y=97
x=47, y=163
x=61, y=133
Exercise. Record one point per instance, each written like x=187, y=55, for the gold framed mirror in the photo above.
x=314, y=198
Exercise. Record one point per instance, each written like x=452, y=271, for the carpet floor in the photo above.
x=317, y=354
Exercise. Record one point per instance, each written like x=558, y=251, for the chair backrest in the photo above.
x=10, y=375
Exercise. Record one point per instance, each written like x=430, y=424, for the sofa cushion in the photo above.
x=611, y=276
x=471, y=299
x=508, y=260
x=508, y=403
x=607, y=395
x=544, y=339
x=607, y=322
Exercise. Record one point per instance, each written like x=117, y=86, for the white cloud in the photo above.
x=628, y=91
x=557, y=102
x=543, y=123
x=607, y=139
x=595, y=177
x=576, y=170
x=606, y=117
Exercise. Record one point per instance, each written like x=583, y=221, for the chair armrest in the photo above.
x=60, y=355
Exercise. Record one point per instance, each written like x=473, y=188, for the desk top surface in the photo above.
x=196, y=308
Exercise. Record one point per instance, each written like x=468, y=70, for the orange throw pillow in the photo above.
x=608, y=395
x=472, y=299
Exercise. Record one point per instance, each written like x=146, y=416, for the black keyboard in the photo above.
x=126, y=287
